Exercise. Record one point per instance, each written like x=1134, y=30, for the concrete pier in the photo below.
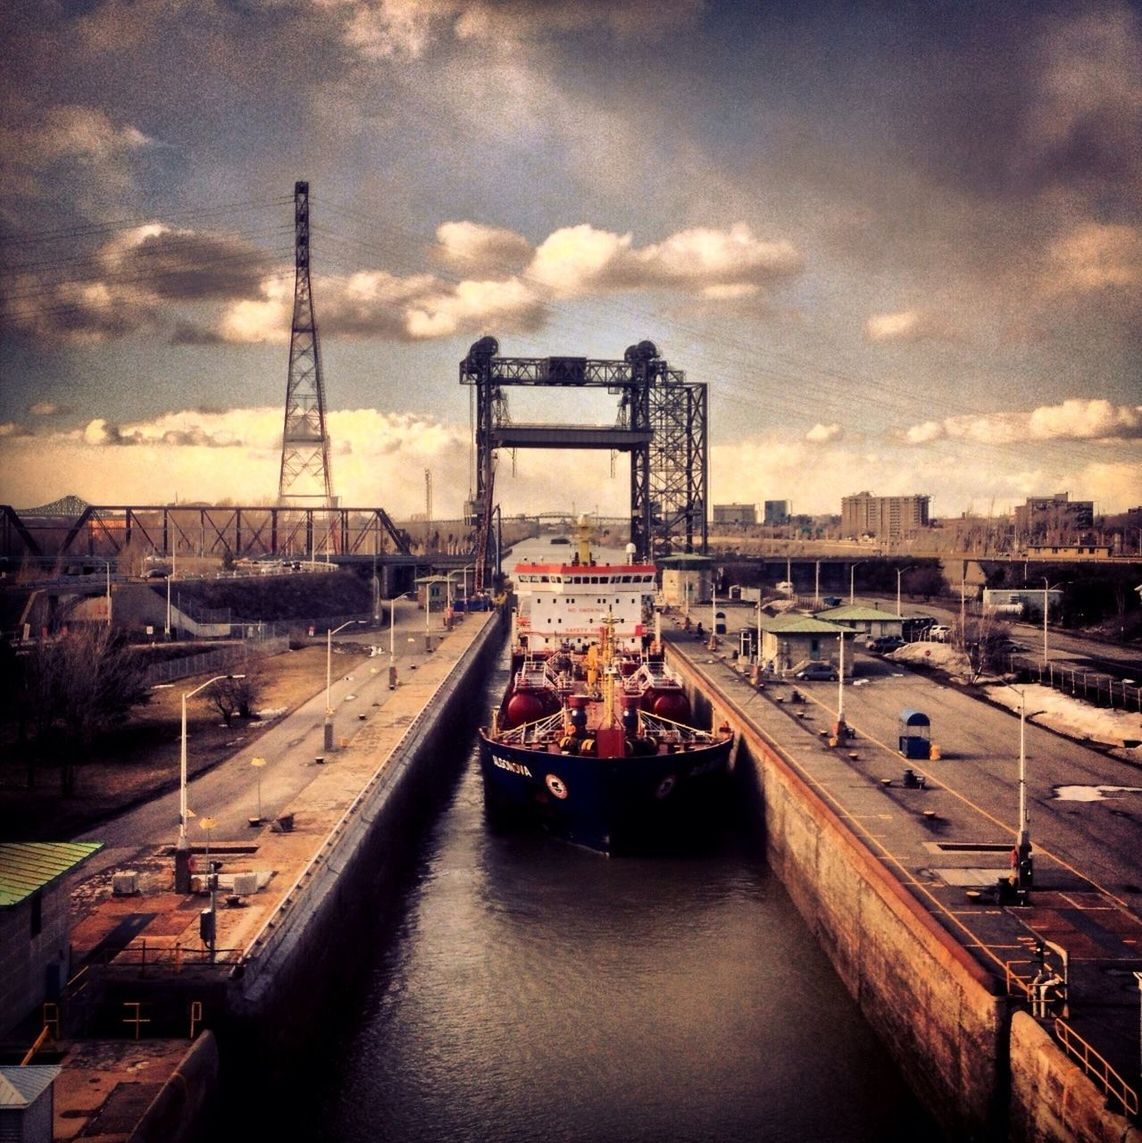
x=945, y=980
x=285, y=905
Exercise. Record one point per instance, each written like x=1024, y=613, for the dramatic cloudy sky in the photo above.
x=901, y=242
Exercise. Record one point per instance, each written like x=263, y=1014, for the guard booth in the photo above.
x=915, y=734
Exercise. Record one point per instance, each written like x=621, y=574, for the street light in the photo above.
x=852, y=580
x=329, y=676
x=258, y=763
x=900, y=572
x=182, y=847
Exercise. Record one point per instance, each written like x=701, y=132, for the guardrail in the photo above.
x=1111, y=1083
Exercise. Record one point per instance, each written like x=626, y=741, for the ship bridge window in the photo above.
x=626, y=579
x=544, y=579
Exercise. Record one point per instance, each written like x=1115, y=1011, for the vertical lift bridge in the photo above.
x=661, y=422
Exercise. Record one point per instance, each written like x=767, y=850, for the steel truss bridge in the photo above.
x=661, y=422
x=232, y=532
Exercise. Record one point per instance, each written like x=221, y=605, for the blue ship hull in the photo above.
x=613, y=805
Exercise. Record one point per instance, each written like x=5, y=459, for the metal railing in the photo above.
x=1091, y=686
x=1112, y=1084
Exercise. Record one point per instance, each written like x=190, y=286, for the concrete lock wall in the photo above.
x=292, y=994
x=177, y=1110
x=983, y=1070
x=932, y=1006
x=935, y=1009
x=1050, y=1096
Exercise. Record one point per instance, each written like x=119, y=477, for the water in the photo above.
x=534, y=991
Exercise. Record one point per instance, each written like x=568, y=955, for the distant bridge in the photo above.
x=220, y=531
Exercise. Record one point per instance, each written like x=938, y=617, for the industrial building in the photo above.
x=735, y=514
x=883, y=516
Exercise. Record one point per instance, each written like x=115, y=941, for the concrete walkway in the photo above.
x=949, y=850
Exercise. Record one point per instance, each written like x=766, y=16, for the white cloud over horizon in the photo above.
x=381, y=458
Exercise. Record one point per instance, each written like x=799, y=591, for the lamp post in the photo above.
x=899, y=573
x=1022, y=859
x=258, y=764
x=107, y=568
x=852, y=580
x=329, y=676
x=839, y=730
x=182, y=846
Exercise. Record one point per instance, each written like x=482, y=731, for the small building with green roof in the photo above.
x=870, y=621
x=790, y=639
x=35, y=922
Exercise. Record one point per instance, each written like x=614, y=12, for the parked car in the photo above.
x=817, y=670
x=939, y=633
x=832, y=600
x=882, y=644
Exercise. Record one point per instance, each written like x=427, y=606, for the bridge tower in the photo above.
x=306, y=479
x=661, y=422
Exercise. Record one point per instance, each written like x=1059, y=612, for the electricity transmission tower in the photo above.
x=306, y=479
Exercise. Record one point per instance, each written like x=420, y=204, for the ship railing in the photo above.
x=656, y=724
x=535, y=673
x=533, y=731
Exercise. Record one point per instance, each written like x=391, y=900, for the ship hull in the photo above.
x=613, y=805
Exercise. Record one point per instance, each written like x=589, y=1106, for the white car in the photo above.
x=940, y=633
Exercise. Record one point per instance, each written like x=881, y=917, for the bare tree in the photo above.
x=984, y=639
x=73, y=688
x=236, y=696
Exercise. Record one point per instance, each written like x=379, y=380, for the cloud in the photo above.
x=1094, y=257
x=129, y=283
x=905, y=325
x=472, y=247
x=1075, y=419
x=47, y=409
x=580, y=261
x=823, y=434
x=391, y=29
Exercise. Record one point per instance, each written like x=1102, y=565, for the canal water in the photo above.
x=524, y=989
x=531, y=990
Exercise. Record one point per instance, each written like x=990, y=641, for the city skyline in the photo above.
x=901, y=244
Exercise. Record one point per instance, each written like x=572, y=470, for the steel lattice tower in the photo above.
x=306, y=478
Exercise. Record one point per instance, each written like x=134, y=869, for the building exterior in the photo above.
x=1053, y=518
x=883, y=516
x=789, y=640
x=864, y=620
x=686, y=579
x=35, y=923
x=735, y=514
x=1020, y=602
x=777, y=512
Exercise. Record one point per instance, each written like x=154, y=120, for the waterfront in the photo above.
x=533, y=990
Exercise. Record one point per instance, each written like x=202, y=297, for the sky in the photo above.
x=901, y=243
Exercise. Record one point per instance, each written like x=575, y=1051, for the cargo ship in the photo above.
x=594, y=738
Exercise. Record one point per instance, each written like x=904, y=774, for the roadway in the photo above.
x=979, y=747
x=228, y=793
